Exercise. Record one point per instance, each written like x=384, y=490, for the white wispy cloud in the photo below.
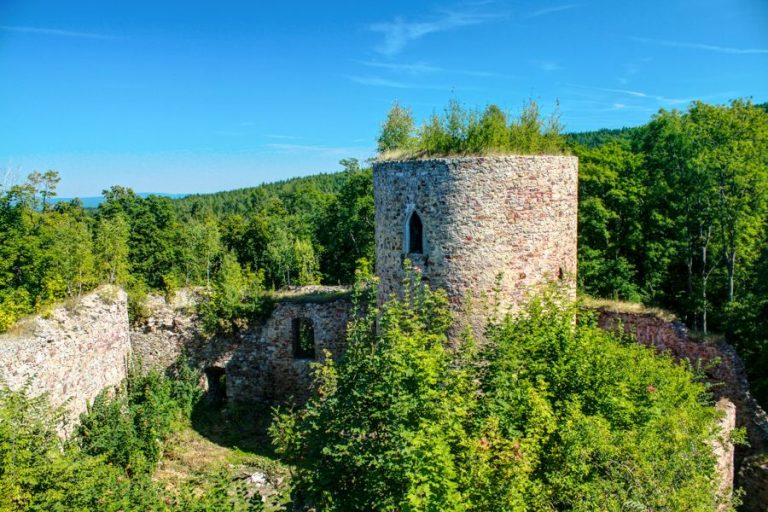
x=377, y=81
x=549, y=65
x=417, y=68
x=316, y=150
x=637, y=94
x=701, y=46
x=399, y=32
x=552, y=9
x=420, y=68
x=281, y=136
x=56, y=32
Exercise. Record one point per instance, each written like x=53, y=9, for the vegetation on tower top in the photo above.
x=459, y=131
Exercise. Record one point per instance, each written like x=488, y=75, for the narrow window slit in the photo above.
x=303, y=339
x=415, y=235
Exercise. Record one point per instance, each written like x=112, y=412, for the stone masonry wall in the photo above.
x=73, y=353
x=258, y=362
x=482, y=216
x=263, y=367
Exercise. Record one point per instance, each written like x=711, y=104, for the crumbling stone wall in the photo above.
x=513, y=216
x=259, y=361
x=263, y=366
x=72, y=353
x=725, y=371
x=170, y=325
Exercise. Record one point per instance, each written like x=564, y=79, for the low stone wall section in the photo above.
x=71, y=353
x=263, y=366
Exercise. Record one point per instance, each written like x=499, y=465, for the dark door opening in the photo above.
x=216, y=380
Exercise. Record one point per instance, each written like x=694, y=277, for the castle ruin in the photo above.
x=491, y=228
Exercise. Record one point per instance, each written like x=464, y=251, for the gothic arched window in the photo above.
x=415, y=234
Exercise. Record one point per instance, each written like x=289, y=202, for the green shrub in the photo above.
x=40, y=472
x=553, y=414
x=128, y=426
x=469, y=132
x=14, y=304
x=236, y=299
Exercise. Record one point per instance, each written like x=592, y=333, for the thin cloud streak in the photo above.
x=701, y=46
x=551, y=10
x=415, y=69
x=549, y=65
x=377, y=81
x=57, y=32
x=637, y=94
x=281, y=136
x=421, y=68
x=316, y=149
x=399, y=32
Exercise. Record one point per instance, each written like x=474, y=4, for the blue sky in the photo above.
x=191, y=96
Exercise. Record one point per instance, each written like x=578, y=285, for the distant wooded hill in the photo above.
x=95, y=201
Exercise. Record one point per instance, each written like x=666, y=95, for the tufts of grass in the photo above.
x=413, y=154
x=618, y=306
x=313, y=294
x=232, y=439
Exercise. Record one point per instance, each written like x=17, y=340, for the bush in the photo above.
x=107, y=466
x=236, y=299
x=551, y=415
x=129, y=425
x=39, y=472
x=469, y=132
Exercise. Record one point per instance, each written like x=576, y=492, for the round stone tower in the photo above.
x=494, y=227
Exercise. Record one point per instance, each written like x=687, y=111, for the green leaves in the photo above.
x=551, y=414
x=459, y=132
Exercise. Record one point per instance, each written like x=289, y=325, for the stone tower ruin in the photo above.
x=483, y=228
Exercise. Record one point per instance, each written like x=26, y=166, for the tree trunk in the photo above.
x=691, y=306
x=704, y=275
x=730, y=263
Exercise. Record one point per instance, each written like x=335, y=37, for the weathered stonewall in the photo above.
x=72, y=353
x=259, y=363
x=483, y=228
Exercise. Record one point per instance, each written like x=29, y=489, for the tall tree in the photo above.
x=111, y=248
x=397, y=129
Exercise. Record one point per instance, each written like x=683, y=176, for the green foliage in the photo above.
x=105, y=467
x=677, y=217
x=236, y=298
x=610, y=232
x=219, y=495
x=127, y=426
x=38, y=472
x=346, y=228
x=552, y=415
x=397, y=130
x=111, y=248
x=468, y=132
x=597, y=138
